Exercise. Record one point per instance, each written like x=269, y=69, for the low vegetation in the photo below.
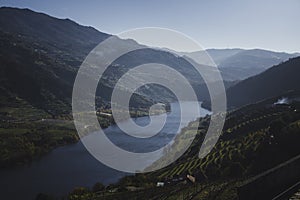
x=250, y=138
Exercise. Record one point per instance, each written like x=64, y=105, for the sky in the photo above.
x=266, y=24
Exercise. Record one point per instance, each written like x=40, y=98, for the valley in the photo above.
x=42, y=156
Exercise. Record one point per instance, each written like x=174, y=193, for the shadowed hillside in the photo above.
x=275, y=81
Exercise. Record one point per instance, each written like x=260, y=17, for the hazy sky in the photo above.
x=267, y=24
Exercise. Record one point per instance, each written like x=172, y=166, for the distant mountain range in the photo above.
x=239, y=64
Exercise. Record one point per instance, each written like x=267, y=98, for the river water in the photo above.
x=64, y=168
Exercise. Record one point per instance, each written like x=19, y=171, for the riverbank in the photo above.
x=61, y=170
x=251, y=135
x=23, y=141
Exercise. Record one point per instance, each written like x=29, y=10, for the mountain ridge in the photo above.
x=275, y=81
x=239, y=64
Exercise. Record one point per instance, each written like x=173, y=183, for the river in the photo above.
x=64, y=168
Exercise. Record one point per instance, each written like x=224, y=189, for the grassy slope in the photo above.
x=250, y=136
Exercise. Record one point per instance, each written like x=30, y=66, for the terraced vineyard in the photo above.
x=250, y=138
x=245, y=136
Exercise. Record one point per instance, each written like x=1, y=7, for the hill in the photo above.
x=252, y=135
x=239, y=64
x=251, y=62
x=218, y=55
x=71, y=38
x=40, y=56
x=275, y=81
x=44, y=53
x=39, y=59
